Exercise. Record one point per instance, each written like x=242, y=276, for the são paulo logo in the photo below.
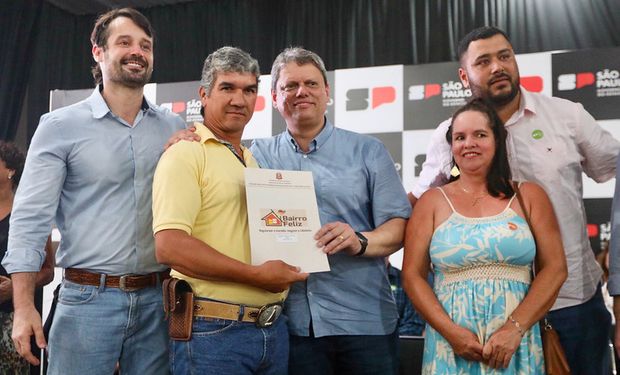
x=358, y=99
x=606, y=82
x=453, y=93
x=191, y=109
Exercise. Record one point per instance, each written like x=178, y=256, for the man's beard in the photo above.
x=500, y=99
x=129, y=79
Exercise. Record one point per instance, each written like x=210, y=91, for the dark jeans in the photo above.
x=584, y=332
x=343, y=355
x=226, y=347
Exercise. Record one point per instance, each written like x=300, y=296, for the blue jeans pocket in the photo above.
x=76, y=294
x=209, y=327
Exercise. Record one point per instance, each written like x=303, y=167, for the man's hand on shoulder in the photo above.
x=188, y=134
x=276, y=276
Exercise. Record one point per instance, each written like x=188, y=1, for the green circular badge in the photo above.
x=537, y=134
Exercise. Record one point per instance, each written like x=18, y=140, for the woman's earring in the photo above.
x=454, y=172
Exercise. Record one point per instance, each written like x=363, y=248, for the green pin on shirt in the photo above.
x=537, y=134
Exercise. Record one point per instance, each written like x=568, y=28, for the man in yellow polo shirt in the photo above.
x=201, y=231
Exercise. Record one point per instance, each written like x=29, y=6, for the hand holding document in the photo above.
x=283, y=218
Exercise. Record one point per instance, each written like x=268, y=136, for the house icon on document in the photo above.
x=272, y=220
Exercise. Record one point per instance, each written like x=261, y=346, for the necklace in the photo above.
x=476, y=199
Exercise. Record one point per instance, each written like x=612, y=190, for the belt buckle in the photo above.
x=122, y=284
x=268, y=314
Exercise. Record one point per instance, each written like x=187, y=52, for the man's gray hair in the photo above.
x=300, y=56
x=225, y=60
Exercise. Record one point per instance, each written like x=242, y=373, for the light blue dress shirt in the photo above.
x=356, y=183
x=90, y=172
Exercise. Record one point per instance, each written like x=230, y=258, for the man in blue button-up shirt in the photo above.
x=342, y=321
x=89, y=169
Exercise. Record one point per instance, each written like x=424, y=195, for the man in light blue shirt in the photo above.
x=342, y=321
x=89, y=169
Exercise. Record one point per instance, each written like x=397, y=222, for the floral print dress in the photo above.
x=482, y=272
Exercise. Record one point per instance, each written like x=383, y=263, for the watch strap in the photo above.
x=363, y=241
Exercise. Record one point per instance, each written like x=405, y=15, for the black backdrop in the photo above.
x=44, y=48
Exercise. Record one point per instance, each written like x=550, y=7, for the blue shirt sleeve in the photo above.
x=37, y=198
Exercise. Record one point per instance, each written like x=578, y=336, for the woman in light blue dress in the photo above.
x=483, y=312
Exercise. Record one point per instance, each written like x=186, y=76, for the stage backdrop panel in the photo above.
x=535, y=71
x=599, y=227
x=394, y=143
x=414, y=155
x=590, y=77
x=63, y=98
x=369, y=100
x=432, y=92
x=181, y=98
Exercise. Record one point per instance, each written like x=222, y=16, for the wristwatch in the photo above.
x=363, y=242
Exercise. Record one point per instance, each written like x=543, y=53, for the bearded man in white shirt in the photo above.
x=551, y=141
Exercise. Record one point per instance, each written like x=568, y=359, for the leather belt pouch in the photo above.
x=179, y=308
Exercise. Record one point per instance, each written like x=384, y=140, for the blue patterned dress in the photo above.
x=482, y=273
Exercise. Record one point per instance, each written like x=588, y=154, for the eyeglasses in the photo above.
x=293, y=87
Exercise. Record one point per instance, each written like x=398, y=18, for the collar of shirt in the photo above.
x=317, y=142
x=206, y=134
x=526, y=105
x=100, y=108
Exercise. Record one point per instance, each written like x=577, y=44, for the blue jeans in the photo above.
x=95, y=327
x=343, y=355
x=222, y=347
x=584, y=333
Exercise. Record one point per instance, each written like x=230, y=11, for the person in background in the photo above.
x=11, y=167
x=410, y=323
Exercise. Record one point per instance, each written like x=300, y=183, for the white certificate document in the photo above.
x=283, y=217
